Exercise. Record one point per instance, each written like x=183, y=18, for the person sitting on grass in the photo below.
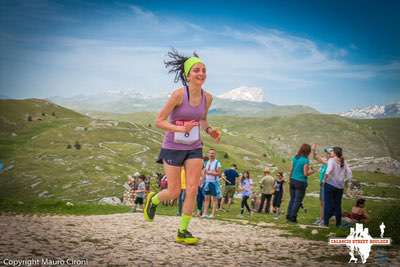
x=358, y=213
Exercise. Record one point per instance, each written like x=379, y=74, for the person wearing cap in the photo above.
x=267, y=189
x=323, y=159
x=182, y=117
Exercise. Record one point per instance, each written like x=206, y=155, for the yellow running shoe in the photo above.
x=186, y=238
x=149, y=209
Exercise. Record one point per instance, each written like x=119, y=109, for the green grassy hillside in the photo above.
x=359, y=138
x=41, y=160
x=40, y=165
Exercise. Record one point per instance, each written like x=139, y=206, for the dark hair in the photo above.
x=339, y=153
x=176, y=65
x=234, y=166
x=280, y=174
x=360, y=201
x=212, y=149
x=304, y=150
x=248, y=176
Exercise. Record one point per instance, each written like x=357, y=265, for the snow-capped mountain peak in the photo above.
x=374, y=112
x=253, y=94
x=123, y=93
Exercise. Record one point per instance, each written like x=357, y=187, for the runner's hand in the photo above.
x=216, y=134
x=187, y=127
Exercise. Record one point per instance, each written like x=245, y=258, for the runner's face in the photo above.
x=197, y=74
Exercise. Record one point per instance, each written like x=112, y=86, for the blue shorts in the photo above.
x=211, y=188
x=178, y=157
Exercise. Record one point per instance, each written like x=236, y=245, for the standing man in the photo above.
x=211, y=189
x=267, y=189
x=230, y=177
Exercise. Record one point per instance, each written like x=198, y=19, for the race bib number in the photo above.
x=187, y=138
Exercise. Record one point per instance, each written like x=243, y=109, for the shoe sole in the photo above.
x=183, y=242
x=148, y=199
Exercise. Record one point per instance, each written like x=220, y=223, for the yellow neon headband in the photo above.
x=187, y=66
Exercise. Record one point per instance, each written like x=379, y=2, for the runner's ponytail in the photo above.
x=176, y=65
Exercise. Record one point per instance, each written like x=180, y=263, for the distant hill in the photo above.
x=374, y=112
x=123, y=102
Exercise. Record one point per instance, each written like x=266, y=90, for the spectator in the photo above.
x=336, y=174
x=278, y=194
x=299, y=172
x=230, y=178
x=140, y=193
x=267, y=189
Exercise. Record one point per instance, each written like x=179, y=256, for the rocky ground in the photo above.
x=127, y=240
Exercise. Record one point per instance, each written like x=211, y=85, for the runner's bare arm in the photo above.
x=214, y=133
x=204, y=122
x=162, y=117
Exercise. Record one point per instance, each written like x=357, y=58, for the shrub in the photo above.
x=390, y=217
x=77, y=145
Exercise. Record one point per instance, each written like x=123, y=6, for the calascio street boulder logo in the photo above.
x=360, y=242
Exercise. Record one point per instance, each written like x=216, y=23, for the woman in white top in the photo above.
x=336, y=174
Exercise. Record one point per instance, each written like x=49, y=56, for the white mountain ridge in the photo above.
x=374, y=111
x=253, y=94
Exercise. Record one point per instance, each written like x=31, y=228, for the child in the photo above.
x=246, y=186
x=140, y=193
x=278, y=185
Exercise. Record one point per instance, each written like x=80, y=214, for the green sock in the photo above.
x=155, y=200
x=184, y=222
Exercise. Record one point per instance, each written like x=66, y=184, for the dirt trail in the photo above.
x=126, y=240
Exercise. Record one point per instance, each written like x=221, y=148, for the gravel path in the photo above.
x=126, y=240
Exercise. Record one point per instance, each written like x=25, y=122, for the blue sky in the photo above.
x=331, y=55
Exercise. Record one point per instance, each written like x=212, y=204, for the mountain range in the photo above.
x=374, y=112
x=242, y=101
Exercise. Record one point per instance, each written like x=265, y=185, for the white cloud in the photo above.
x=128, y=52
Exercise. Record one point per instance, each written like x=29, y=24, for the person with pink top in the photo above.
x=182, y=118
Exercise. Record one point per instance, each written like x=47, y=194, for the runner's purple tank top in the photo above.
x=185, y=112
